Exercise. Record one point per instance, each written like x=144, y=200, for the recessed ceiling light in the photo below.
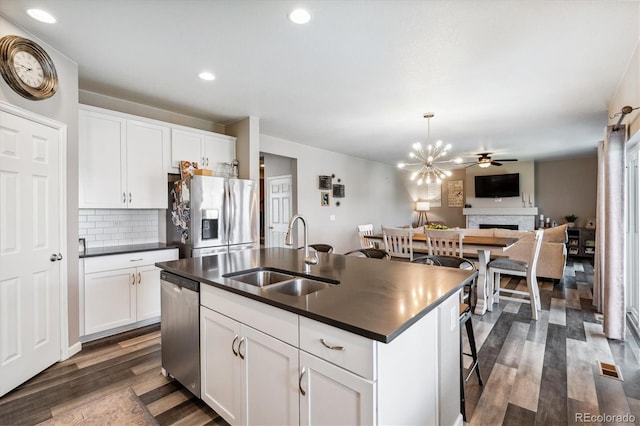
x=207, y=76
x=41, y=15
x=300, y=16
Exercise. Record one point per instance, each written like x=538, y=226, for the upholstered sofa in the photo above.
x=553, y=252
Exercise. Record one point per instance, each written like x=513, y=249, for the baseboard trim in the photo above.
x=74, y=349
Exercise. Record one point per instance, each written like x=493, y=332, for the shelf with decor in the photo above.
x=581, y=242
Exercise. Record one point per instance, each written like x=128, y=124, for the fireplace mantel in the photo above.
x=523, y=217
x=509, y=211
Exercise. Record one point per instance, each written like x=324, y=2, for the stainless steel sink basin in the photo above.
x=259, y=277
x=298, y=286
x=281, y=281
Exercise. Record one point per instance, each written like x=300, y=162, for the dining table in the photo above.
x=483, y=245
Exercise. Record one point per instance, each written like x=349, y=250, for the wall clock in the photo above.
x=27, y=68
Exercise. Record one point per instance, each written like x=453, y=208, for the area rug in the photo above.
x=120, y=408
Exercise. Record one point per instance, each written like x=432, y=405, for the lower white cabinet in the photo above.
x=248, y=377
x=322, y=374
x=109, y=299
x=121, y=289
x=333, y=395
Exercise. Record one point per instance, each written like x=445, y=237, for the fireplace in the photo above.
x=522, y=219
x=497, y=225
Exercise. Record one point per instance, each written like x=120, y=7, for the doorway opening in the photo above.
x=278, y=197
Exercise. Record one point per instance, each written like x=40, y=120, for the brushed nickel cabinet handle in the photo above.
x=304, y=370
x=139, y=278
x=233, y=349
x=239, y=345
x=334, y=348
x=133, y=279
x=130, y=198
x=124, y=198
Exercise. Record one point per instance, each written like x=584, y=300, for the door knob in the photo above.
x=55, y=257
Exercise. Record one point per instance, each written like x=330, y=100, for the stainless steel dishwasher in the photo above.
x=180, y=330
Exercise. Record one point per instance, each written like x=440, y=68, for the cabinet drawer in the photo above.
x=351, y=352
x=118, y=261
x=270, y=320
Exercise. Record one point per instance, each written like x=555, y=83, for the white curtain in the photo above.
x=598, y=270
x=608, y=286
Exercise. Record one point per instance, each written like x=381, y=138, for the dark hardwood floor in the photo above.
x=535, y=372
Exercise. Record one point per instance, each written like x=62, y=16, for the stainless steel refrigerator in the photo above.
x=212, y=215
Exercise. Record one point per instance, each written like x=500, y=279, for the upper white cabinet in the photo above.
x=122, y=162
x=205, y=148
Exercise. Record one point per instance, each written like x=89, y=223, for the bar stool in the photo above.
x=464, y=318
x=320, y=248
x=372, y=253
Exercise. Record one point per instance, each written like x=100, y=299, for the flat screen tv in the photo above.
x=493, y=186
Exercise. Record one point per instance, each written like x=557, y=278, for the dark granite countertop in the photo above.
x=105, y=251
x=376, y=299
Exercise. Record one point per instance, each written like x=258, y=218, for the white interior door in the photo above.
x=279, y=210
x=30, y=247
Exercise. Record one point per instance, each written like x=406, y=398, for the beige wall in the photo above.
x=451, y=216
x=62, y=107
x=374, y=193
x=567, y=187
x=628, y=92
x=527, y=173
x=120, y=105
x=247, y=133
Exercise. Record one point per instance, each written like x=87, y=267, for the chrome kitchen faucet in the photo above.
x=308, y=260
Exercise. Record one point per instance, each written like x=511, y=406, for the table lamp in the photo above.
x=422, y=207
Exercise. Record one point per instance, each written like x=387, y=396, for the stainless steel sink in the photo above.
x=281, y=281
x=298, y=286
x=259, y=277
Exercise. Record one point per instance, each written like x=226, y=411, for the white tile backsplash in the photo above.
x=118, y=227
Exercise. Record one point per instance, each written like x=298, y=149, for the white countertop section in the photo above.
x=513, y=211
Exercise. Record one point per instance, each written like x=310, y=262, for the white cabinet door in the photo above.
x=147, y=292
x=218, y=149
x=270, y=378
x=334, y=396
x=109, y=299
x=221, y=385
x=102, y=161
x=186, y=146
x=145, y=170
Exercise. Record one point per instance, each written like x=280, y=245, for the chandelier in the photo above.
x=426, y=169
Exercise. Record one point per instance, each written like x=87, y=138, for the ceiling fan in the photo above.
x=484, y=160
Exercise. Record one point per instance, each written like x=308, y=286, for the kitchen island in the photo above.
x=379, y=345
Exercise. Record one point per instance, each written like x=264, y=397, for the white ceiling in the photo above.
x=523, y=79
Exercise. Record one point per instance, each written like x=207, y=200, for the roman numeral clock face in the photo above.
x=27, y=68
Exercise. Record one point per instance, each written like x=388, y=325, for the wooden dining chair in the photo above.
x=445, y=242
x=398, y=242
x=365, y=230
x=518, y=268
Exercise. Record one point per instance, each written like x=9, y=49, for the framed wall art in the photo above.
x=434, y=194
x=324, y=199
x=455, y=193
x=338, y=191
x=324, y=182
